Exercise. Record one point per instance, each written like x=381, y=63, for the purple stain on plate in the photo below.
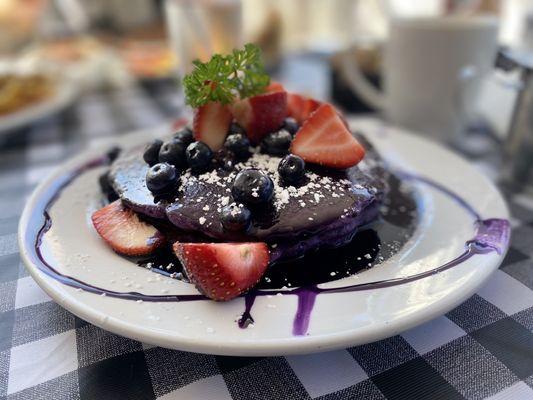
x=492, y=234
x=306, y=302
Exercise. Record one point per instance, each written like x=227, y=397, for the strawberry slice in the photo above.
x=122, y=229
x=301, y=107
x=295, y=106
x=274, y=87
x=324, y=139
x=311, y=105
x=211, y=123
x=223, y=271
x=261, y=114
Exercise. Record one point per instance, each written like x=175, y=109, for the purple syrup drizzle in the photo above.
x=246, y=317
x=491, y=235
x=306, y=301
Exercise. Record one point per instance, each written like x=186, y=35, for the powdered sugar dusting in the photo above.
x=315, y=187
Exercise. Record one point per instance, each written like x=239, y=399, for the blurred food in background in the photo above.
x=32, y=89
x=18, y=91
x=68, y=50
x=147, y=60
x=19, y=21
x=116, y=44
x=85, y=59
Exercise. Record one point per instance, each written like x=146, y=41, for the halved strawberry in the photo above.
x=301, y=107
x=324, y=139
x=122, y=229
x=223, y=271
x=261, y=114
x=311, y=105
x=274, y=87
x=210, y=124
x=295, y=106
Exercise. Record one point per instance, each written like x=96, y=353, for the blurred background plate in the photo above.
x=63, y=94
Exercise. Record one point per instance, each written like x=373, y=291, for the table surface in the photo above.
x=482, y=349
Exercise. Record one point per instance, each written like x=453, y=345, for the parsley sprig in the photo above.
x=223, y=78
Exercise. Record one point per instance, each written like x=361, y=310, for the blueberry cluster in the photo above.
x=251, y=187
x=291, y=168
x=167, y=159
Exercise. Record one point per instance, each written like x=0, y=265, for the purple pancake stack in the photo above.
x=324, y=211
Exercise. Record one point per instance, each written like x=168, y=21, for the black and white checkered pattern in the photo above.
x=482, y=349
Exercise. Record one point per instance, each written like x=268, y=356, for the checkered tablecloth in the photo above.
x=482, y=349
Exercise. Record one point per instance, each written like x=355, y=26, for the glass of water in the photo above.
x=200, y=28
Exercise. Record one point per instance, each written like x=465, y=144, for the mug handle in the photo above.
x=359, y=84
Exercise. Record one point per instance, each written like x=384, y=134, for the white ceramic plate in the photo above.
x=64, y=95
x=447, y=223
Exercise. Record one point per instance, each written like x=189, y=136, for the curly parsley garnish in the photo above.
x=222, y=78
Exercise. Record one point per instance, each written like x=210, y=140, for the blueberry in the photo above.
x=185, y=135
x=235, y=217
x=113, y=153
x=225, y=159
x=238, y=144
x=161, y=177
x=199, y=156
x=236, y=128
x=107, y=189
x=151, y=152
x=277, y=143
x=252, y=187
x=291, y=169
x=173, y=152
x=290, y=125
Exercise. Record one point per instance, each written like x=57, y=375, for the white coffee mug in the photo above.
x=433, y=70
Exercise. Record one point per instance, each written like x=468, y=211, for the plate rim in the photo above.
x=253, y=347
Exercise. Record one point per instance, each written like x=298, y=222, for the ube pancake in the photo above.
x=325, y=197
x=127, y=176
x=330, y=202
